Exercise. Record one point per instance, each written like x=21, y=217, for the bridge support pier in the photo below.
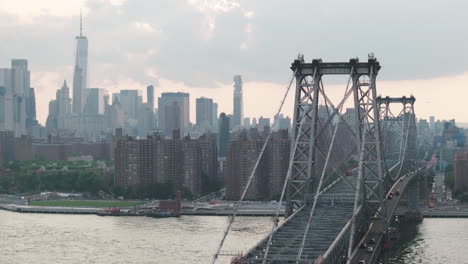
x=413, y=214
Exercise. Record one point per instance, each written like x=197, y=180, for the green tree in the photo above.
x=449, y=179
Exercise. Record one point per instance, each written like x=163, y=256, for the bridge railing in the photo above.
x=336, y=253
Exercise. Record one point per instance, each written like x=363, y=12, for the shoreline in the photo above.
x=94, y=210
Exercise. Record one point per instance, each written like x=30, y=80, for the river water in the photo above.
x=47, y=238
x=434, y=241
x=63, y=239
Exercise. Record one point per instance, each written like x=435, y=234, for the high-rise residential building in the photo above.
x=186, y=163
x=150, y=96
x=461, y=172
x=238, y=114
x=80, y=74
x=204, y=114
x=224, y=128
x=209, y=158
x=95, y=102
x=174, y=113
x=128, y=162
x=271, y=171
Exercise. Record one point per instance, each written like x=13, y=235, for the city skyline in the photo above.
x=148, y=59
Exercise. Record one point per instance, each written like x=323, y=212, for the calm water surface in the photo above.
x=46, y=238
x=435, y=241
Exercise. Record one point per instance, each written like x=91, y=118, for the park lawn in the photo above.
x=78, y=203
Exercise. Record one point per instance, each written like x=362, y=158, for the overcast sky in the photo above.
x=197, y=46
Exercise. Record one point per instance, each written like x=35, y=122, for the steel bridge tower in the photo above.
x=304, y=176
x=331, y=204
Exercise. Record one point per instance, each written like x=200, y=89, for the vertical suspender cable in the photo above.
x=288, y=176
x=322, y=176
x=233, y=216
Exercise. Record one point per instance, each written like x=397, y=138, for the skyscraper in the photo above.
x=204, y=114
x=63, y=106
x=150, y=96
x=215, y=114
x=80, y=74
x=131, y=101
x=238, y=103
x=16, y=103
x=263, y=122
x=432, y=123
x=223, y=134
x=173, y=113
x=95, y=101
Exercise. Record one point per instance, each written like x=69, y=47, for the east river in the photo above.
x=47, y=238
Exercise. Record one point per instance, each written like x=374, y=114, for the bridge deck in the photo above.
x=375, y=231
x=333, y=211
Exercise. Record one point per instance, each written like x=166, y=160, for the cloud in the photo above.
x=243, y=46
x=249, y=14
x=151, y=72
x=202, y=44
x=28, y=11
x=143, y=27
x=214, y=5
x=211, y=9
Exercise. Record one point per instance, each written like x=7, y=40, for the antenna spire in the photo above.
x=81, y=22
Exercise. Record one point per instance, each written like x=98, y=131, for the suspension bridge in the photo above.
x=347, y=171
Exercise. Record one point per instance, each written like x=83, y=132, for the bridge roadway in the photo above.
x=333, y=211
x=376, y=231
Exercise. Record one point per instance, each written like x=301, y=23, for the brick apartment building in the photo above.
x=184, y=162
x=271, y=171
x=461, y=172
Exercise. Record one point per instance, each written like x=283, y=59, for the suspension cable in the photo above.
x=288, y=175
x=403, y=151
x=322, y=176
x=356, y=207
x=236, y=209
